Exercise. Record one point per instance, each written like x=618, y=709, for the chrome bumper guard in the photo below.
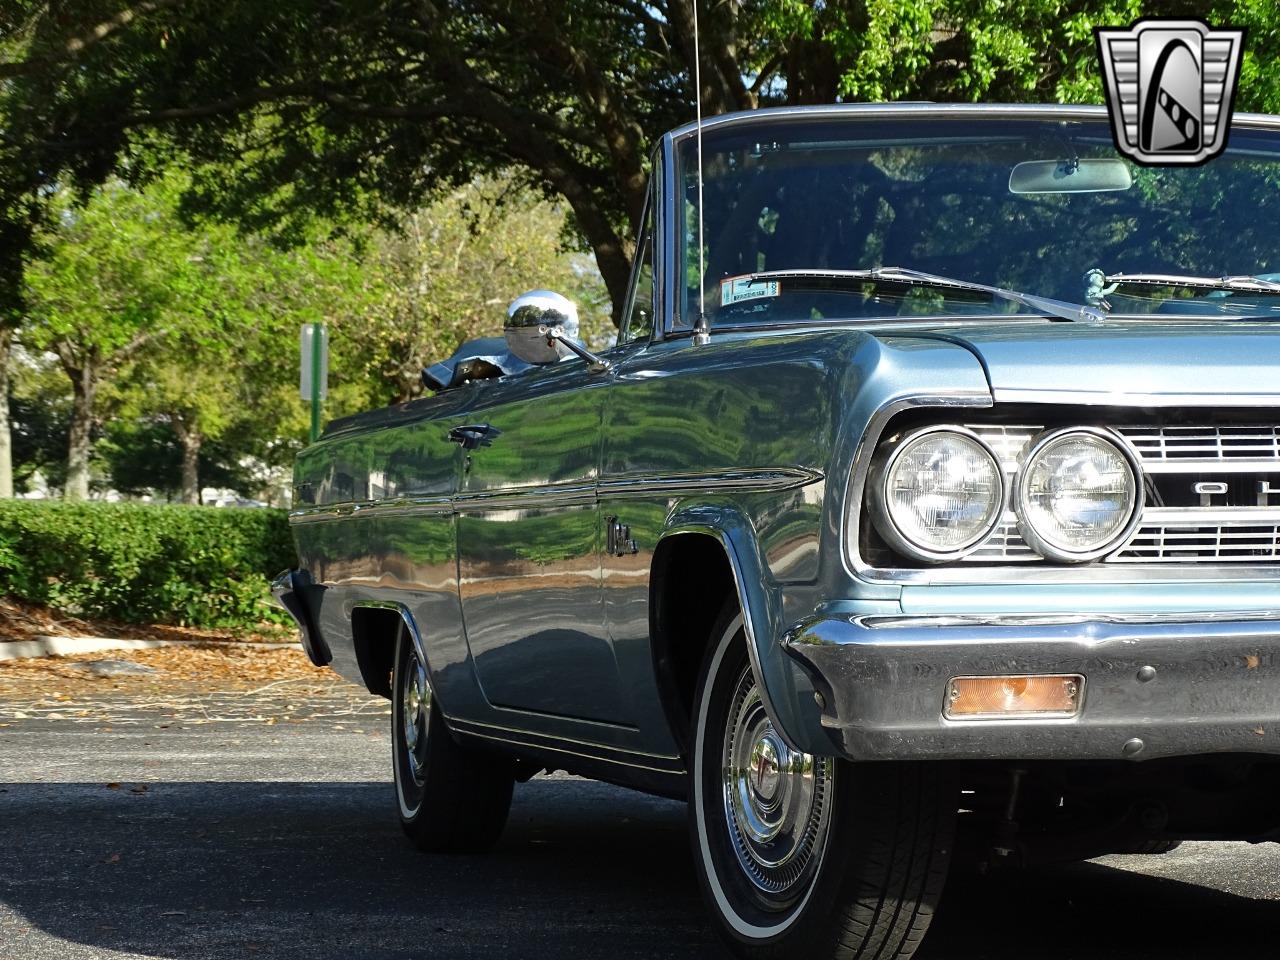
x=1153, y=687
x=290, y=589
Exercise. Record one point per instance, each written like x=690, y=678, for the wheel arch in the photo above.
x=374, y=626
x=718, y=543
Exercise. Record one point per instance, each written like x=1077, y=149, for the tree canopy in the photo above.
x=373, y=138
x=297, y=107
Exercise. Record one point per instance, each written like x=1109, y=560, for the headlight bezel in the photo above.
x=1034, y=538
x=882, y=517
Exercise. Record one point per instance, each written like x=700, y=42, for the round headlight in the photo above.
x=941, y=494
x=1077, y=494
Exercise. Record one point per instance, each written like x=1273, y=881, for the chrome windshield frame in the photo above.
x=674, y=140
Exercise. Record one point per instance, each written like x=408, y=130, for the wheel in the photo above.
x=451, y=799
x=802, y=855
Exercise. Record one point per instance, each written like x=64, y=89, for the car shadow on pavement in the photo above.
x=315, y=870
x=1091, y=911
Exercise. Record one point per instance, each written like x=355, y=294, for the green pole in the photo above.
x=315, y=381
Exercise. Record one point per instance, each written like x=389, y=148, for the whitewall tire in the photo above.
x=802, y=855
x=451, y=799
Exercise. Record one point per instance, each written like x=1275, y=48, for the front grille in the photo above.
x=1252, y=537
x=1238, y=522
x=1005, y=545
x=1166, y=443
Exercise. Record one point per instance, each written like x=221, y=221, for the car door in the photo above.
x=635, y=512
x=530, y=536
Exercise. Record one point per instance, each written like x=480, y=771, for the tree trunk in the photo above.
x=84, y=387
x=6, y=433
x=191, y=441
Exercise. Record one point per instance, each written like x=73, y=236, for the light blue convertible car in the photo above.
x=927, y=508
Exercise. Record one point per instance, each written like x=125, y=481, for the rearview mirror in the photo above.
x=1070, y=176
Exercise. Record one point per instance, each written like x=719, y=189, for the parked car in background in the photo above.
x=241, y=502
x=927, y=508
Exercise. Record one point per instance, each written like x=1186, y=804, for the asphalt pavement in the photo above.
x=248, y=839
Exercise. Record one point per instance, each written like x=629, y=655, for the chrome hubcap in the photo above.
x=777, y=801
x=415, y=706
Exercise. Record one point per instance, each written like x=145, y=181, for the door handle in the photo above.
x=472, y=435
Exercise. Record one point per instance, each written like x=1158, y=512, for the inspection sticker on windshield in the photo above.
x=741, y=289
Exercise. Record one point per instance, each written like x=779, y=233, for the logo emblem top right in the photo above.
x=1170, y=85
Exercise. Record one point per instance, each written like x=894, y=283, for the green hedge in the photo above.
x=139, y=563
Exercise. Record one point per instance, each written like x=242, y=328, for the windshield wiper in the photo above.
x=1077, y=312
x=1244, y=284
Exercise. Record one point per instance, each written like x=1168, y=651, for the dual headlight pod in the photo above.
x=941, y=492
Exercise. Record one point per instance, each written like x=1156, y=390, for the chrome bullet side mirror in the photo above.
x=542, y=328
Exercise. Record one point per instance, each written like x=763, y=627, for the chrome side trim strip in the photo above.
x=762, y=481
x=765, y=480
x=524, y=732
x=526, y=498
x=385, y=507
x=575, y=748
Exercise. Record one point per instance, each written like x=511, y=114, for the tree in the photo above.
x=144, y=457
x=19, y=207
x=40, y=439
x=318, y=106
x=6, y=427
x=114, y=267
x=192, y=325
x=228, y=364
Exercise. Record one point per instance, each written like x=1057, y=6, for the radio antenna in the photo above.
x=701, y=331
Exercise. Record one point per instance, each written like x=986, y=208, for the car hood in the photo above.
x=1136, y=362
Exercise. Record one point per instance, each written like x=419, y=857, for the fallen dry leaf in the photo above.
x=187, y=686
x=20, y=621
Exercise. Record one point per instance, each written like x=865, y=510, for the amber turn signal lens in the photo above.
x=993, y=698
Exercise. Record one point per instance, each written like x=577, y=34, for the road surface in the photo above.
x=240, y=838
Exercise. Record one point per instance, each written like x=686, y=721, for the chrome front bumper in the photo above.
x=1153, y=687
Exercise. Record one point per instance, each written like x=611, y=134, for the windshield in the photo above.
x=1031, y=206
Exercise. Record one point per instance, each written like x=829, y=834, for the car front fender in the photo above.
x=785, y=691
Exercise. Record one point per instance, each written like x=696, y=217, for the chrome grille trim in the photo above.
x=1188, y=543
x=1004, y=545
x=1213, y=444
x=1008, y=442
x=1224, y=535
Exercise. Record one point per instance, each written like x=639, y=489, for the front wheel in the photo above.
x=451, y=799
x=802, y=855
